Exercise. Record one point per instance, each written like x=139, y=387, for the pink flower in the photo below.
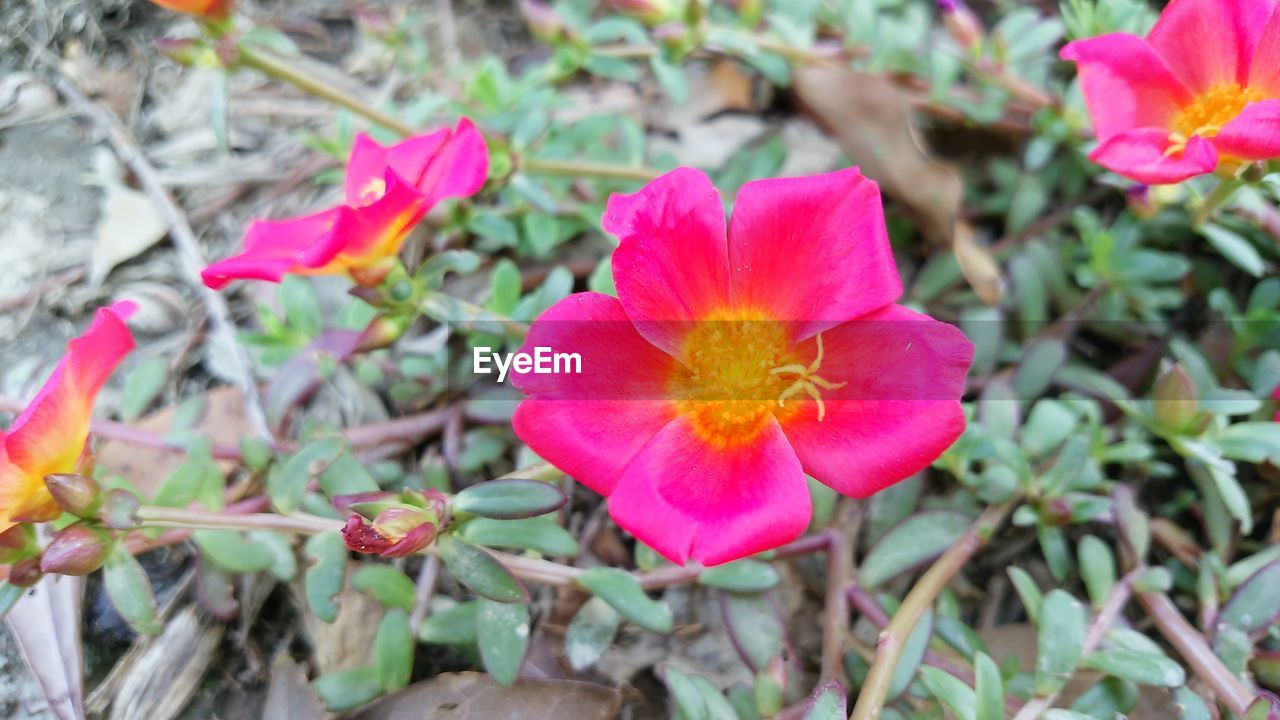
x=388, y=191
x=1202, y=87
x=738, y=357
x=49, y=437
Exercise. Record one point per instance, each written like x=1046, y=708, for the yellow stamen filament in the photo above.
x=807, y=381
x=1206, y=115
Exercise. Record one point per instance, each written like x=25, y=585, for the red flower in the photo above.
x=213, y=9
x=738, y=358
x=392, y=524
x=49, y=437
x=388, y=191
x=1202, y=87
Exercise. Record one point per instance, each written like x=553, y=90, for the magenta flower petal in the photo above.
x=673, y=261
x=811, y=249
x=688, y=499
x=899, y=408
x=273, y=248
x=459, y=169
x=369, y=161
x=1125, y=83
x=370, y=233
x=592, y=424
x=1210, y=42
x=1264, y=72
x=1144, y=156
x=1254, y=134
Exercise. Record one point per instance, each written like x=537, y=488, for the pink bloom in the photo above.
x=49, y=437
x=388, y=191
x=1202, y=87
x=738, y=357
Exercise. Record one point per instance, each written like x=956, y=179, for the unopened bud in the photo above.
x=769, y=692
x=964, y=27
x=544, y=22
x=76, y=550
x=1142, y=201
x=1174, y=396
x=372, y=275
x=120, y=510
x=25, y=573
x=77, y=494
x=392, y=524
x=383, y=331
x=16, y=543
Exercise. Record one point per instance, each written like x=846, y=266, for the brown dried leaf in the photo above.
x=45, y=622
x=870, y=118
x=456, y=696
x=223, y=421
x=290, y=695
x=978, y=265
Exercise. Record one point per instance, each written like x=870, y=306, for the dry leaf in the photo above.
x=870, y=118
x=223, y=422
x=475, y=696
x=129, y=224
x=45, y=622
x=290, y=695
x=167, y=674
x=978, y=265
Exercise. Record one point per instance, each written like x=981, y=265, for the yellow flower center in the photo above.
x=1209, y=112
x=737, y=372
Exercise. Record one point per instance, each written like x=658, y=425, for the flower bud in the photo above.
x=25, y=573
x=77, y=494
x=1174, y=396
x=120, y=510
x=76, y=550
x=964, y=27
x=1142, y=201
x=544, y=22
x=383, y=332
x=392, y=524
x=16, y=543
x=372, y=275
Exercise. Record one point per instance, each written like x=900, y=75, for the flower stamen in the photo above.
x=807, y=381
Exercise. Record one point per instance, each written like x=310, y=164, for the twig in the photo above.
x=573, y=168
x=835, y=620
x=876, y=687
x=1191, y=645
x=184, y=239
x=428, y=574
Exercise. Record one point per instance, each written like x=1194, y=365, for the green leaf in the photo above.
x=540, y=534
x=624, y=593
x=911, y=543
x=671, y=77
x=188, y=481
x=1107, y=699
x=1193, y=706
x=1028, y=592
x=231, y=550
x=1053, y=543
x=828, y=703
x=287, y=486
x=688, y=700
x=754, y=627
x=346, y=689
x=502, y=632
x=988, y=690
x=740, y=576
x=477, y=569
x=1097, y=568
x=504, y=287
x=143, y=386
x=1141, y=668
x=130, y=591
x=322, y=583
x=301, y=306
x=1255, y=604
x=1059, y=641
x=346, y=476
x=718, y=708
x=393, y=650
x=1235, y=248
x=389, y=585
x=590, y=633
x=454, y=625
x=913, y=652
x=958, y=697
x=510, y=499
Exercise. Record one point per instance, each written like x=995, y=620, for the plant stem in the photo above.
x=1203, y=211
x=1191, y=645
x=876, y=687
x=449, y=309
x=285, y=72
x=574, y=168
